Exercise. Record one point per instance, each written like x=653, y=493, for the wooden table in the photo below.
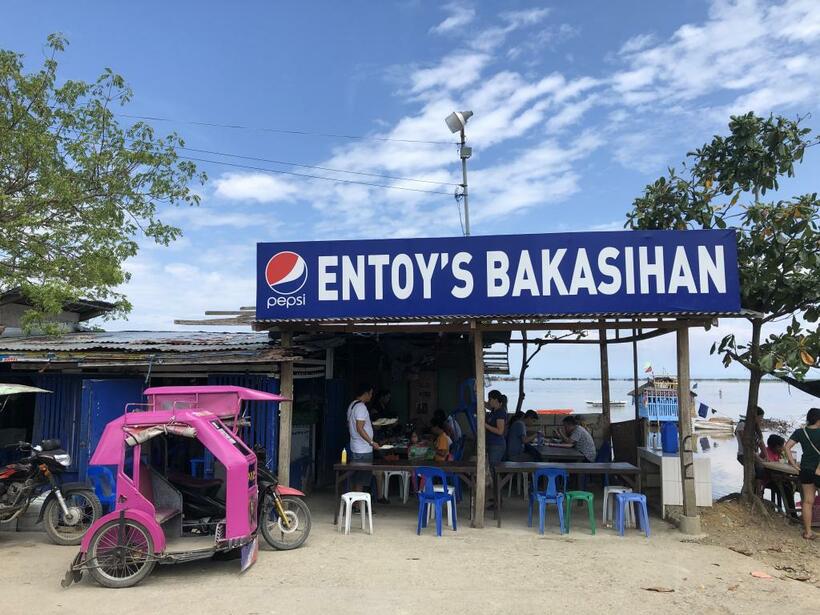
x=505, y=470
x=780, y=474
x=549, y=452
x=464, y=470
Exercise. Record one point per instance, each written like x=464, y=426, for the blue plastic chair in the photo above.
x=429, y=497
x=105, y=487
x=622, y=500
x=198, y=467
x=549, y=495
x=458, y=454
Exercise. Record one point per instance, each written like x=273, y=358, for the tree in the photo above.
x=526, y=358
x=77, y=190
x=778, y=244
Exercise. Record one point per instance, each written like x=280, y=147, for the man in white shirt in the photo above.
x=362, y=444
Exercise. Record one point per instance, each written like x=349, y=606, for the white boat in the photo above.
x=714, y=424
x=599, y=403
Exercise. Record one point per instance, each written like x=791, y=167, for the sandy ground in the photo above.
x=506, y=570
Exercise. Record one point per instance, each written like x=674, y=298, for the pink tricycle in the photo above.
x=163, y=514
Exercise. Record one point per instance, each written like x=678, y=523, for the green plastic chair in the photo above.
x=584, y=496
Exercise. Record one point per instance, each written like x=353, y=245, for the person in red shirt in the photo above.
x=775, y=452
x=774, y=448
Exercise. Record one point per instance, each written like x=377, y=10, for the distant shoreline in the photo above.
x=560, y=378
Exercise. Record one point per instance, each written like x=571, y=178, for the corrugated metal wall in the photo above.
x=333, y=433
x=59, y=414
x=263, y=415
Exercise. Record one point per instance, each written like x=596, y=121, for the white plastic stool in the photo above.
x=405, y=484
x=609, y=506
x=522, y=481
x=346, y=510
x=440, y=488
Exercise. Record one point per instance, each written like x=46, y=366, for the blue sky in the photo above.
x=577, y=106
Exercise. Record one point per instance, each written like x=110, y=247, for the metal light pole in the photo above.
x=465, y=152
x=456, y=122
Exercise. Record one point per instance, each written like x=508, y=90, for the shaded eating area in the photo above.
x=426, y=323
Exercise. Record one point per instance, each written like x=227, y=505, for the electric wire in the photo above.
x=313, y=166
x=309, y=176
x=306, y=133
x=308, y=166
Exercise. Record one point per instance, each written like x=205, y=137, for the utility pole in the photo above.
x=464, y=153
x=456, y=122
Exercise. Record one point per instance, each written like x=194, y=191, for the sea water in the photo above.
x=725, y=397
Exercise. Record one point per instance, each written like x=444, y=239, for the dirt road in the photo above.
x=508, y=570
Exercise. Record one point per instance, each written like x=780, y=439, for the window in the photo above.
x=128, y=462
x=228, y=435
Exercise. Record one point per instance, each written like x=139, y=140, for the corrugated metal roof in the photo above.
x=137, y=341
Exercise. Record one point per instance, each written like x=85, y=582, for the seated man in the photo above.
x=576, y=436
x=518, y=438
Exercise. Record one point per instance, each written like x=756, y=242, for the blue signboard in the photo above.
x=624, y=272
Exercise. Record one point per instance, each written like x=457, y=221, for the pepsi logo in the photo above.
x=286, y=273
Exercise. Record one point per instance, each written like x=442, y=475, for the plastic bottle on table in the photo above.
x=344, y=456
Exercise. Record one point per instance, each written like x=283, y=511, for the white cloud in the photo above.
x=184, y=288
x=219, y=216
x=460, y=14
x=637, y=43
x=490, y=38
x=259, y=187
x=743, y=47
x=454, y=72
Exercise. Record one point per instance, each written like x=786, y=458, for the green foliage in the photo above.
x=77, y=189
x=778, y=242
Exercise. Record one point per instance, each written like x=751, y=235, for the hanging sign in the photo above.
x=622, y=272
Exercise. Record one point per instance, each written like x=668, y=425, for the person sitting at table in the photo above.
x=517, y=438
x=418, y=449
x=809, y=440
x=441, y=441
x=775, y=453
x=574, y=435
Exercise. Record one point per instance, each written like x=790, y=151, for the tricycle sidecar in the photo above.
x=149, y=445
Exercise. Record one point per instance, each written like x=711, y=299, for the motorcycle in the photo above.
x=69, y=508
x=284, y=517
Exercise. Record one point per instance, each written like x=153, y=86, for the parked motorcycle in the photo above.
x=284, y=518
x=69, y=508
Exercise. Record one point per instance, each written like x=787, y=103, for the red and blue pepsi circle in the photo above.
x=286, y=273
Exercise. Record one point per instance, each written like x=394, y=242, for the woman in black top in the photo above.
x=808, y=438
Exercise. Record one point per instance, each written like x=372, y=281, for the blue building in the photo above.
x=93, y=375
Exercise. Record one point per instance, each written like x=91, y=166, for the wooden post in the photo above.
x=690, y=522
x=606, y=415
x=481, y=441
x=285, y=412
x=636, y=399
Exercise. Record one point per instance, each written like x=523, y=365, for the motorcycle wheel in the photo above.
x=275, y=533
x=120, y=563
x=60, y=532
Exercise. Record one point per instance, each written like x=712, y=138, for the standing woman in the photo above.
x=809, y=439
x=495, y=425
